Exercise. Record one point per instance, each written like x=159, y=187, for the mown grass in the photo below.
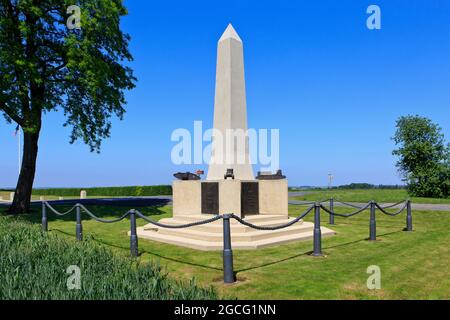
x=34, y=265
x=414, y=265
x=366, y=195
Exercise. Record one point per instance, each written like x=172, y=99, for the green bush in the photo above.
x=33, y=265
x=423, y=157
x=133, y=191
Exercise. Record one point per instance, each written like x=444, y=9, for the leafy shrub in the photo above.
x=423, y=157
x=133, y=191
x=33, y=265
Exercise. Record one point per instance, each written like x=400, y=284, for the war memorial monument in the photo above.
x=230, y=186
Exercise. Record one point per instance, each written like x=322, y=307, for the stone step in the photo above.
x=237, y=236
x=218, y=245
x=250, y=218
x=217, y=226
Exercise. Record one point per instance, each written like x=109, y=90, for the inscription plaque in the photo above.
x=249, y=198
x=210, y=197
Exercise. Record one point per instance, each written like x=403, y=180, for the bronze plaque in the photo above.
x=210, y=197
x=249, y=198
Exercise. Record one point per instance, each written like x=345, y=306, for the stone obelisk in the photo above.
x=264, y=199
x=230, y=148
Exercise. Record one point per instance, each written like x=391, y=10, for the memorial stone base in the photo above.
x=261, y=202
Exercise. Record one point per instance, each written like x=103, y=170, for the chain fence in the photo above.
x=229, y=275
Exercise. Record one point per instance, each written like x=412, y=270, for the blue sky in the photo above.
x=333, y=87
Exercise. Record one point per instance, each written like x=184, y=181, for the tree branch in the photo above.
x=55, y=69
x=11, y=113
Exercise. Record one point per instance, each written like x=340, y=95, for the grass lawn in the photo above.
x=366, y=195
x=413, y=265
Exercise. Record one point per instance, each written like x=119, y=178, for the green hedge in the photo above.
x=134, y=191
x=34, y=265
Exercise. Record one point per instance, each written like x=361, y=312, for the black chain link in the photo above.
x=57, y=212
x=172, y=226
x=285, y=225
x=93, y=216
x=361, y=209
x=349, y=204
x=394, y=205
x=392, y=214
x=239, y=219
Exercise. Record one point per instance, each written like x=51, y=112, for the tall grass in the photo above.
x=33, y=265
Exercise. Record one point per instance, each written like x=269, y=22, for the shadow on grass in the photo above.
x=141, y=251
x=307, y=253
x=382, y=223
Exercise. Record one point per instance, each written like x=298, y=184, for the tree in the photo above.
x=46, y=65
x=424, y=158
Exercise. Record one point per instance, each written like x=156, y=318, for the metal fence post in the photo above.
x=44, y=217
x=373, y=224
x=317, y=233
x=331, y=210
x=133, y=236
x=228, y=272
x=79, y=226
x=409, y=226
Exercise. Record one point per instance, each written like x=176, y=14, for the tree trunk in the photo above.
x=22, y=196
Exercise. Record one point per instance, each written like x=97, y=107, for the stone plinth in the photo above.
x=230, y=197
x=210, y=236
x=186, y=197
x=272, y=197
x=269, y=197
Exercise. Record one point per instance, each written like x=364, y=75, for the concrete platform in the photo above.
x=210, y=237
